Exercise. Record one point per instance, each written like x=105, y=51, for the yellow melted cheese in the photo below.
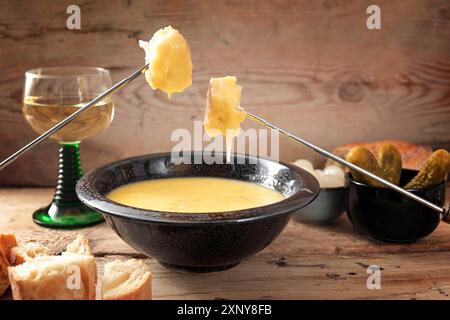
x=170, y=61
x=223, y=114
x=194, y=195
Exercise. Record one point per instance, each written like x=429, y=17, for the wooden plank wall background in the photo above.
x=309, y=66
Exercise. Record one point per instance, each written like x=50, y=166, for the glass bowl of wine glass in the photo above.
x=51, y=95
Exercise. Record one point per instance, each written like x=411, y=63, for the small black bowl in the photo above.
x=198, y=242
x=386, y=215
x=327, y=207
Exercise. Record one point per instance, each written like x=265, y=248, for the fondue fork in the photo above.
x=119, y=85
x=444, y=212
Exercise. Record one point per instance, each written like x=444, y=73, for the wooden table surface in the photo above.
x=304, y=262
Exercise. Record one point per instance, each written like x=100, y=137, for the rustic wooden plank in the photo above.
x=309, y=66
x=304, y=262
x=311, y=277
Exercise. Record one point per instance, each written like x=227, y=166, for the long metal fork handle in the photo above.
x=444, y=212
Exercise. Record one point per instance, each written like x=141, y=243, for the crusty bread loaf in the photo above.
x=413, y=155
x=127, y=280
x=79, y=245
x=25, y=252
x=7, y=241
x=65, y=277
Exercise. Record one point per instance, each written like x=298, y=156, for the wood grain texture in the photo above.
x=311, y=67
x=304, y=262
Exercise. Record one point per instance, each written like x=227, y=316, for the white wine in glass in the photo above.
x=50, y=96
x=43, y=113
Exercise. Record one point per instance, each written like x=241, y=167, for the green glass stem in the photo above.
x=66, y=210
x=69, y=173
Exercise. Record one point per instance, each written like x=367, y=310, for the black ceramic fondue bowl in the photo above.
x=198, y=242
x=386, y=215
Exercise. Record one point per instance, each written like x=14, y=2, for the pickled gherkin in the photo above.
x=388, y=165
x=433, y=172
x=362, y=157
x=390, y=161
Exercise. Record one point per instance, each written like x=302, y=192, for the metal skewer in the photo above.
x=119, y=85
x=444, y=212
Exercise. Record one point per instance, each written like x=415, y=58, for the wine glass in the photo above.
x=50, y=95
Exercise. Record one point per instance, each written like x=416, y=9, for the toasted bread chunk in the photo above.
x=65, y=277
x=224, y=114
x=127, y=280
x=169, y=59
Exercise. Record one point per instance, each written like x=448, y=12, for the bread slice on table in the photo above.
x=127, y=280
x=64, y=277
x=25, y=252
x=79, y=245
x=7, y=241
x=69, y=276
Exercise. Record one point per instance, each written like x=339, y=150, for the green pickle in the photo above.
x=363, y=158
x=433, y=172
x=390, y=161
x=388, y=165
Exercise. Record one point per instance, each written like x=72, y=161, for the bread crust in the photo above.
x=7, y=241
x=4, y=280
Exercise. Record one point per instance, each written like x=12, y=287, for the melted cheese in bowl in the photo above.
x=170, y=61
x=223, y=113
x=194, y=195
